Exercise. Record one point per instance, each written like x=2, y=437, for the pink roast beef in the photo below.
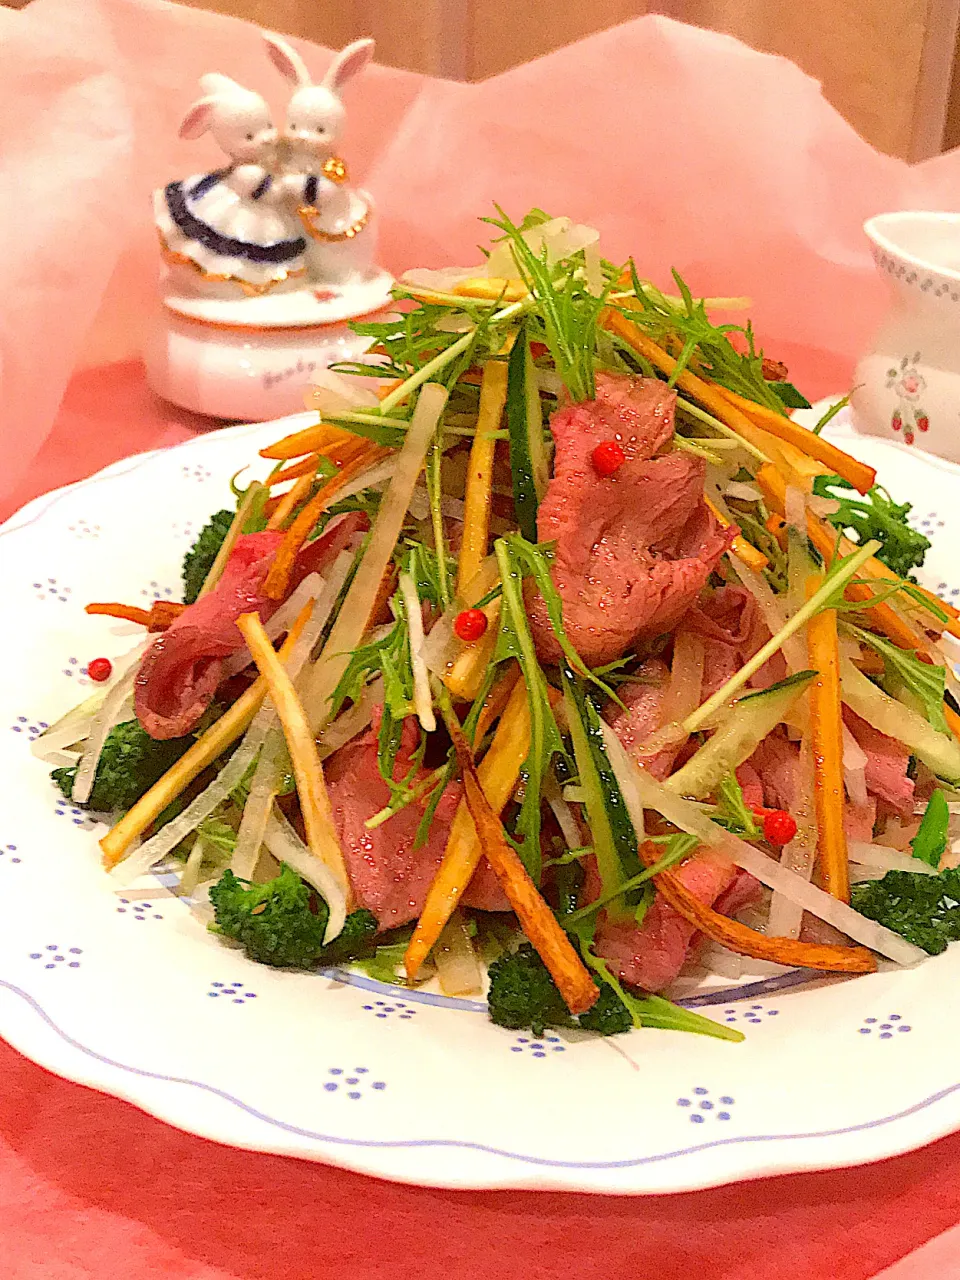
x=633, y=550
x=180, y=672
x=390, y=877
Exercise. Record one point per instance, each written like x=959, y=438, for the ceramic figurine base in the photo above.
x=246, y=374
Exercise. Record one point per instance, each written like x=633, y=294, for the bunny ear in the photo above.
x=215, y=83
x=286, y=59
x=348, y=63
x=198, y=118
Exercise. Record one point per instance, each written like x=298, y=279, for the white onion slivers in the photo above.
x=286, y=846
x=112, y=711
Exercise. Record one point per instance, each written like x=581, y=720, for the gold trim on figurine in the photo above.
x=175, y=258
x=309, y=212
x=335, y=170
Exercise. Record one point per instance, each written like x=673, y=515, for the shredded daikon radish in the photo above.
x=111, y=713
x=884, y=859
x=686, y=676
x=352, y=721
x=624, y=770
x=420, y=505
x=286, y=846
x=193, y=868
x=786, y=915
x=442, y=647
x=69, y=730
x=639, y=789
x=854, y=768
x=263, y=789
x=457, y=965
x=152, y=850
x=422, y=701
x=794, y=649
x=727, y=964
x=309, y=589
x=745, y=492
x=354, y=615
x=561, y=811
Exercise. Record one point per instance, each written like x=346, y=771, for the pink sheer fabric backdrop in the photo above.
x=681, y=145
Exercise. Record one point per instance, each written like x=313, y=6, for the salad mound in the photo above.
x=555, y=659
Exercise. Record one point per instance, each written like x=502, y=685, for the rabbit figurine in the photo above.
x=337, y=218
x=233, y=226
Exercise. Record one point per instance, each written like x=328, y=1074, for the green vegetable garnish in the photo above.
x=930, y=842
x=198, y=561
x=130, y=763
x=923, y=909
x=921, y=684
x=282, y=922
x=875, y=515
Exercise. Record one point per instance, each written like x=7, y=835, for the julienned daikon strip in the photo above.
x=457, y=966
x=308, y=771
x=422, y=701
x=832, y=584
x=253, y=824
x=459, y=664
x=498, y=773
x=352, y=721
x=786, y=917
x=687, y=815
x=686, y=676
x=561, y=811
x=879, y=857
x=478, y=494
x=209, y=746
x=251, y=494
x=773, y=613
x=110, y=714
x=286, y=846
x=939, y=751
x=309, y=589
x=354, y=616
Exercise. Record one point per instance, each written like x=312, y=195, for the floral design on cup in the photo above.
x=908, y=385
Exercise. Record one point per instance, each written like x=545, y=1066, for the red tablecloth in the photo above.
x=90, y=1187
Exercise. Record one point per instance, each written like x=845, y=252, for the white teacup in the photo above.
x=908, y=385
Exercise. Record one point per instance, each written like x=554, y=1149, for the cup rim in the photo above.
x=876, y=230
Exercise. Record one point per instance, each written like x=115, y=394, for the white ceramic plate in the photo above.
x=405, y=1085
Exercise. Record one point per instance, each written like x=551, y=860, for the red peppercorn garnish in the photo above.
x=607, y=458
x=470, y=625
x=100, y=669
x=779, y=827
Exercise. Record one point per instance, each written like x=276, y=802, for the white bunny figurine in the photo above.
x=233, y=226
x=337, y=218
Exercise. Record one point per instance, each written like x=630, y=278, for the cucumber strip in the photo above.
x=529, y=467
x=614, y=839
x=939, y=751
x=741, y=731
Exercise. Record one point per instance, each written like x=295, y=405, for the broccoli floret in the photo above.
x=274, y=922
x=130, y=763
x=923, y=909
x=198, y=561
x=522, y=994
x=609, y=1016
x=357, y=940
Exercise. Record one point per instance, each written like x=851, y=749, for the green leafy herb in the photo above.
x=788, y=395
x=198, y=561
x=921, y=682
x=717, y=359
x=529, y=467
x=930, y=842
x=923, y=909
x=732, y=811
x=563, y=307
x=831, y=413
x=875, y=515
